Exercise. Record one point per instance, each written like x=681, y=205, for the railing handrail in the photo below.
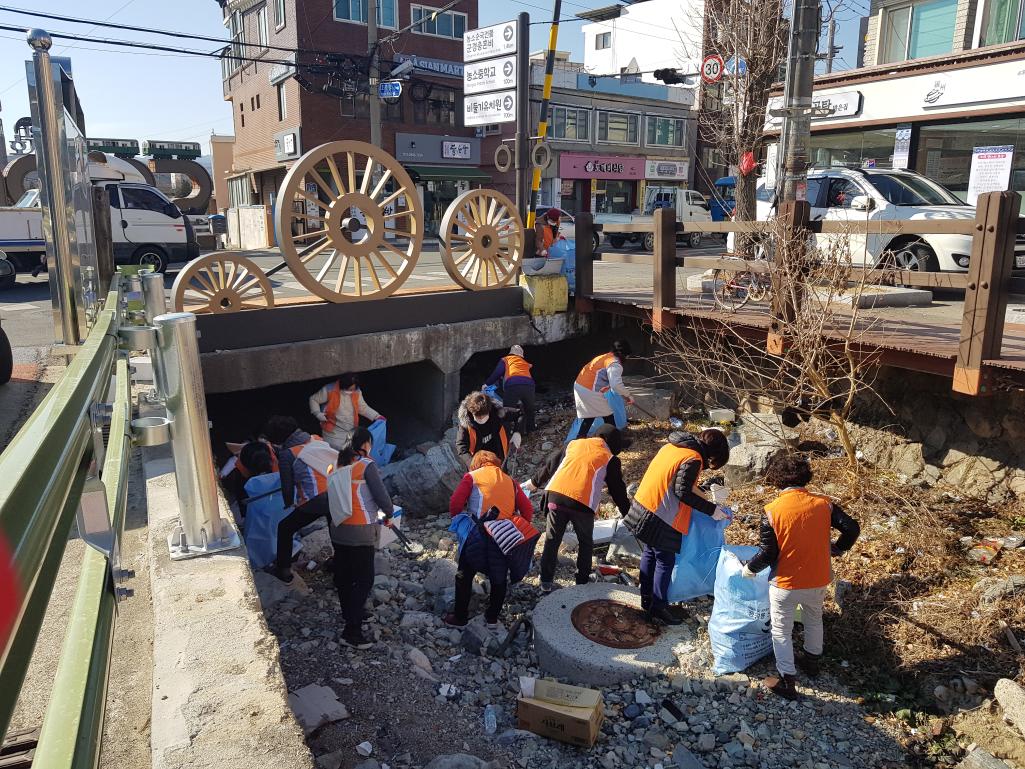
x=817, y=226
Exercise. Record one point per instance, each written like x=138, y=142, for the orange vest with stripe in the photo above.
x=548, y=234
x=515, y=366
x=319, y=478
x=802, y=522
x=491, y=488
x=582, y=471
x=364, y=509
x=589, y=373
x=655, y=493
x=334, y=399
x=502, y=436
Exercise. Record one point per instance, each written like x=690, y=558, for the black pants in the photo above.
x=354, y=579
x=585, y=426
x=464, y=591
x=583, y=527
x=302, y=516
x=521, y=396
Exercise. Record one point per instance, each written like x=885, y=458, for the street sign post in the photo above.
x=737, y=66
x=489, y=42
x=389, y=89
x=712, y=68
x=490, y=75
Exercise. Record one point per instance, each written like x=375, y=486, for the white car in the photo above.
x=860, y=194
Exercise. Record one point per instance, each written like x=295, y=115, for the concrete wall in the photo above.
x=221, y=149
x=253, y=228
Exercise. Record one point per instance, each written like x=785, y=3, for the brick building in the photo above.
x=286, y=103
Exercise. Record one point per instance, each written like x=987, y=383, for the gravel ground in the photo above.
x=410, y=716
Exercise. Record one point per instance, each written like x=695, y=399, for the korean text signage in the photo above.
x=665, y=169
x=991, y=170
x=843, y=104
x=901, y=146
x=489, y=74
x=435, y=66
x=600, y=167
x=433, y=149
x=452, y=150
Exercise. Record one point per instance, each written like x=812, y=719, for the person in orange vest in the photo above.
x=572, y=479
x=601, y=374
x=338, y=407
x=546, y=232
x=486, y=426
x=356, y=537
x=304, y=463
x=500, y=538
x=661, y=511
x=249, y=455
x=513, y=372
x=795, y=544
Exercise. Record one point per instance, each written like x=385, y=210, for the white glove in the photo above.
x=528, y=486
x=516, y=440
x=320, y=417
x=746, y=573
x=721, y=514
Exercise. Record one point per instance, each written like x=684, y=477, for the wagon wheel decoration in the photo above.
x=483, y=240
x=358, y=244
x=219, y=283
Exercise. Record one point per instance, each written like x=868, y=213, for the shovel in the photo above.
x=414, y=548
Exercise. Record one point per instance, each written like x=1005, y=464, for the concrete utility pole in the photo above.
x=831, y=50
x=797, y=98
x=522, y=145
x=375, y=73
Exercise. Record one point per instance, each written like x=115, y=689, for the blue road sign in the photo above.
x=389, y=89
x=736, y=65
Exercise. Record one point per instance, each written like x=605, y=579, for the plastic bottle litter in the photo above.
x=490, y=720
x=986, y=551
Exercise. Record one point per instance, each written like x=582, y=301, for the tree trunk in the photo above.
x=745, y=212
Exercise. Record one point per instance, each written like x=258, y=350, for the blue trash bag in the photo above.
x=262, y=518
x=461, y=526
x=382, y=451
x=492, y=392
x=566, y=250
x=694, y=573
x=618, y=417
x=739, y=630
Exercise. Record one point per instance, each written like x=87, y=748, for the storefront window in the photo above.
x=1003, y=22
x=569, y=124
x=945, y=151
x=357, y=105
x=853, y=149
x=665, y=131
x=615, y=197
x=618, y=127
x=922, y=29
x=439, y=108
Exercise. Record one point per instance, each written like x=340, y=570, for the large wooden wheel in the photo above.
x=221, y=282
x=482, y=237
x=351, y=195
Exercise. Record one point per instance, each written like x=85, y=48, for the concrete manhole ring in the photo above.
x=614, y=624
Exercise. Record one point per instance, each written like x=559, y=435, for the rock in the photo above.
x=457, y=761
x=273, y=591
x=992, y=589
x=766, y=430
x=416, y=619
x=642, y=698
x=442, y=575
x=706, y=742
x=364, y=748
x=652, y=402
x=656, y=738
x=317, y=545
x=547, y=446
x=632, y=710
x=908, y=460
x=1012, y=699
x=371, y=764
x=980, y=759
x=316, y=705
x=747, y=463
x=667, y=717
x=983, y=420
x=419, y=659
x=684, y=759
x=331, y=760
x=477, y=639
x=681, y=684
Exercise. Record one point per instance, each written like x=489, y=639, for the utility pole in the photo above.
x=831, y=50
x=374, y=73
x=546, y=97
x=522, y=144
x=797, y=98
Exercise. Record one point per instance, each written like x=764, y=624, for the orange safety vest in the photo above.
x=247, y=473
x=588, y=375
x=319, y=478
x=802, y=522
x=548, y=234
x=516, y=366
x=491, y=488
x=582, y=471
x=334, y=398
x=364, y=509
x=655, y=492
x=502, y=435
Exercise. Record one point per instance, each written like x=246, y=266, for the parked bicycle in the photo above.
x=732, y=289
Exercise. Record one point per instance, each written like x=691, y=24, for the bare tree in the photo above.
x=824, y=366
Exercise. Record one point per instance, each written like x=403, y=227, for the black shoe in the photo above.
x=661, y=615
x=452, y=620
x=645, y=602
x=285, y=575
x=808, y=663
x=783, y=685
x=355, y=639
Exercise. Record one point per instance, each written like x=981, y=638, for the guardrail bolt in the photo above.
x=123, y=593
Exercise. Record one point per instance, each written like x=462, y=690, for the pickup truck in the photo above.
x=146, y=227
x=690, y=205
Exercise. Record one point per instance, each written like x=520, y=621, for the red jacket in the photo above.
x=461, y=496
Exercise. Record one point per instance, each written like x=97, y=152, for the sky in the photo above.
x=173, y=96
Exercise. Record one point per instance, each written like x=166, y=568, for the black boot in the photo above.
x=783, y=685
x=661, y=615
x=645, y=601
x=808, y=663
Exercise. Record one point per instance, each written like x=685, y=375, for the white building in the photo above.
x=643, y=36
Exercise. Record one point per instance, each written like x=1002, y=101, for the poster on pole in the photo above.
x=771, y=165
x=901, y=147
x=991, y=170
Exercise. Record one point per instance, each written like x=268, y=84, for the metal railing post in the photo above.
x=153, y=295
x=51, y=173
x=201, y=529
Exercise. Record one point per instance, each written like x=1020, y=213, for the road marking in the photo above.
x=19, y=307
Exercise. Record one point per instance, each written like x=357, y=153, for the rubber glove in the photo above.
x=516, y=440
x=746, y=573
x=528, y=486
x=721, y=514
x=381, y=419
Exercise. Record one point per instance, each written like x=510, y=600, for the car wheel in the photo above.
x=649, y=241
x=694, y=240
x=914, y=256
x=595, y=242
x=6, y=358
x=617, y=241
x=152, y=256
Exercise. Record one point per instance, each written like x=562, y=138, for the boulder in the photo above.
x=459, y=761
x=1012, y=699
x=273, y=591
x=442, y=576
x=316, y=705
x=747, y=463
x=908, y=460
x=425, y=482
x=317, y=545
x=978, y=758
x=652, y=402
x=766, y=429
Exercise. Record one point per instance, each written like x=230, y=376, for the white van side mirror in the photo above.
x=862, y=203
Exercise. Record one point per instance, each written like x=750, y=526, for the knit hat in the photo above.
x=516, y=350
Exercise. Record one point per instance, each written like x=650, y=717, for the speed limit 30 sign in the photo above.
x=712, y=68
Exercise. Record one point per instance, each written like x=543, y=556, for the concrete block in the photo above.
x=142, y=369
x=722, y=415
x=747, y=463
x=545, y=294
x=879, y=296
x=701, y=283
x=315, y=706
x=655, y=401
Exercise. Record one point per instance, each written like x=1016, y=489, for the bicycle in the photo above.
x=732, y=289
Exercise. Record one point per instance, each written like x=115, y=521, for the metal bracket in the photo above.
x=99, y=417
x=93, y=519
x=180, y=548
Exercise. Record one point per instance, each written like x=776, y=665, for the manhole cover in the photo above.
x=614, y=624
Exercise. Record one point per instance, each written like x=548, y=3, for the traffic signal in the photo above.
x=669, y=76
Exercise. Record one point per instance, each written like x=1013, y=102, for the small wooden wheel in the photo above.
x=482, y=236
x=221, y=282
x=354, y=200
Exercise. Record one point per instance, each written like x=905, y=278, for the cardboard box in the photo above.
x=561, y=712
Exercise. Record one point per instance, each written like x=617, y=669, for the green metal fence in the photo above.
x=42, y=475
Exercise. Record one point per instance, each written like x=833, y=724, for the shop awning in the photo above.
x=449, y=173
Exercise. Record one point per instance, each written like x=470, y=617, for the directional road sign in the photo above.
x=389, y=89
x=736, y=65
x=488, y=42
x=712, y=68
x=489, y=108
x=490, y=75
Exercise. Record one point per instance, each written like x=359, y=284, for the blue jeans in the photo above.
x=656, y=574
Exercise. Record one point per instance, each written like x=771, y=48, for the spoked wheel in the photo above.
x=219, y=283
x=732, y=289
x=363, y=217
x=482, y=237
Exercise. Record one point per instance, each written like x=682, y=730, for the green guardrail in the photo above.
x=44, y=470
